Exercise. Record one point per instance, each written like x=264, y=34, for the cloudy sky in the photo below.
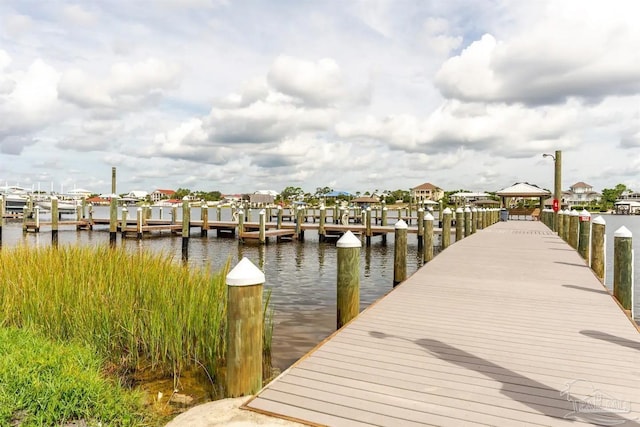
x=237, y=96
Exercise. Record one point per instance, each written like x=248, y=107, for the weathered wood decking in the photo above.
x=506, y=327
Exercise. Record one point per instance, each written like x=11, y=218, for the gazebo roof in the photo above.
x=523, y=189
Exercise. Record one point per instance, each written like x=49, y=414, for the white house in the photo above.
x=580, y=193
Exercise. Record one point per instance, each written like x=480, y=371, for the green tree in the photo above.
x=610, y=195
x=291, y=193
x=181, y=192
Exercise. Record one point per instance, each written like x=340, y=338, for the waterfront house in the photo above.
x=158, y=195
x=580, y=194
x=427, y=191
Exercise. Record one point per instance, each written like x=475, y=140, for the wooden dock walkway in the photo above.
x=506, y=327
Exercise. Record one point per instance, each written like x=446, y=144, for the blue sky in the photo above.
x=240, y=96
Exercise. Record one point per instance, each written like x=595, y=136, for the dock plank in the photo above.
x=523, y=334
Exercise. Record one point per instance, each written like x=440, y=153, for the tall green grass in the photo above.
x=46, y=383
x=138, y=310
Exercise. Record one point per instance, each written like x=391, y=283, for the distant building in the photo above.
x=468, y=197
x=136, y=195
x=580, y=193
x=427, y=191
x=158, y=195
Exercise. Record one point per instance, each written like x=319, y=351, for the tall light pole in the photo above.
x=557, y=186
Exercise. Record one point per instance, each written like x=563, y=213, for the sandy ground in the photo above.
x=225, y=412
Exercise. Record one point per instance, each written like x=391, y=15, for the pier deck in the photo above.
x=506, y=327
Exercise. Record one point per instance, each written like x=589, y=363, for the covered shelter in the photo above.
x=522, y=190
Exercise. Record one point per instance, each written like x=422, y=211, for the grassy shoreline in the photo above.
x=139, y=312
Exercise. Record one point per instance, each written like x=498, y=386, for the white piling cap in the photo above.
x=623, y=232
x=446, y=211
x=385, y=208
x=567, y=211
x=585, y=212
x=458, y=210
x=348, y=240
x=599, y=220
x=245, y=273
x=574, y=213
x=124, y=209
x=467, y=209
x=368, y=208
x=54, y=198
x=428, y=216
x=420, y=209
x=263, y=212
x=322, y=207
x=185, y=199
x=280, y=207
x=400, y=225
x=474, y=209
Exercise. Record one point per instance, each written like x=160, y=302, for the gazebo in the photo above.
x=522, y=189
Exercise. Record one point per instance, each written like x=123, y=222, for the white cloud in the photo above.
x=128, y=86
x=573, y=51
x=320, y=83
x=28, y=103
x=78, y=15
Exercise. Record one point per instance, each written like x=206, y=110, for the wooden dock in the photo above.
x=506, y=327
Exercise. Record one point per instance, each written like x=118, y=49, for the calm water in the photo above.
x=300, y=275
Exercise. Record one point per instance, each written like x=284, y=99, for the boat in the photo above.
x=64, y=206
x=15, y=198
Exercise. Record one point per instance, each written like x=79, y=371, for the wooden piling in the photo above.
x=623, y=267
x=383, y=221
x=123, y=221
x=279, y=220
x=54, y=221
x=459, y=224
x=445, y=238
x=573, y=229
x=428, y=237
x=323, y=219
x=560, y=223
x=240, y=223
x=584, y=234
x=113, y=218
x=25, y=216
x=186, y=218
x=262, y=233
x=299, y=230
x=348, y=286
x=597, y=247
x=467, y=222
x=204, y=216
x=2, y=210
x=368, y=233
x=567, y=223
x=400, y=253
x=140, y=223
x=420, y=227
x=36, y=217
x=474, y=220
x=244, y=329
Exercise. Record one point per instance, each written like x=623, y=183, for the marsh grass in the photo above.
x=138, y=310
